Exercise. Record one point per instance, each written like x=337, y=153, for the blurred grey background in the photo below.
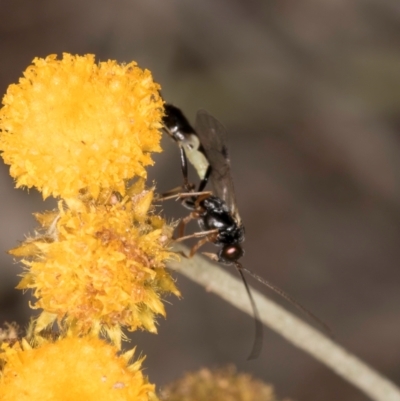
x=310, y=93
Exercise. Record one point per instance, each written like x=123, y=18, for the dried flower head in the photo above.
x=71, y=369
x=71, y=125
x=9, y=333
x=218, y=385
x=100, y=266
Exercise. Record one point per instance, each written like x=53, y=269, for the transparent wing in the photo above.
x=212, y=135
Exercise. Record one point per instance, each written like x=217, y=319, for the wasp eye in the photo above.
x=230, y=253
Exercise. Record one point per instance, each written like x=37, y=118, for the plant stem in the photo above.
x=299, y=333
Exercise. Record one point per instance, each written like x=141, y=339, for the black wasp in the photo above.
x=216, y=212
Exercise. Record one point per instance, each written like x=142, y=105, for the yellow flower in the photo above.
x=100, y=267
x=71, y=125
x=71, y=369
x=218, y=385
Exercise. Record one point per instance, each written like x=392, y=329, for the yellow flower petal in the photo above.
x=71, y=125
x=103, y=266
x=71, y=369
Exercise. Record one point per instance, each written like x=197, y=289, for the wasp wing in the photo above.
x=212, y=135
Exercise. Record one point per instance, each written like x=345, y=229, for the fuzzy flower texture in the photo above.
x=72, y=124
x=80, y=131
x=72, y=369
x=224, y=384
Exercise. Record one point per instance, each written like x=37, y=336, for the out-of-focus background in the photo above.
x=310, y=93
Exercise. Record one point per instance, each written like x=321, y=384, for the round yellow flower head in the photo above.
x=72, y=124
x=218, y=385
x=100, y=267
x=71, y=369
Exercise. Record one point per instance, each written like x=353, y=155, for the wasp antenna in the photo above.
x=288, y=298
x=258, y=337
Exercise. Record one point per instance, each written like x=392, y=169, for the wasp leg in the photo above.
x=179, y=193
x=204, y=181
x=189, y=199
x=171, y=194
x=199, y=235
x=202, y=196
x=211, y=236
x=184, y=166
x=197, y=246
x=183, y=223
